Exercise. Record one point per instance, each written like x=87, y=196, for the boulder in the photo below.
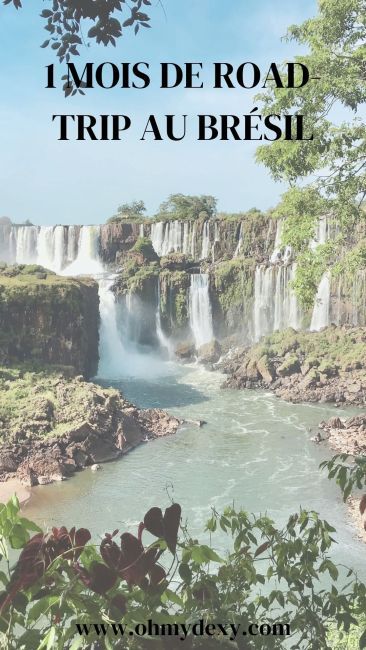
x=266, y=369
x=210, y=352
x=289, y=366
x=185, y=350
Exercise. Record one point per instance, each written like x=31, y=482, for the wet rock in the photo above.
x=185, y=350
x=210, y=352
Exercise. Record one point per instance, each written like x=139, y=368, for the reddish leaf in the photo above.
x=363, y=504
x=171, y=525
x=262, y=548
x=154, y=522
x=131, y=548
x=119, y=603
x=157, y=575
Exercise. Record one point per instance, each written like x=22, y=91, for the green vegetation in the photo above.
x=269, y=574
x=174, y=287
x=133, y=276
x=184, y=207
x=234, y=282
x=253, y=213
x=144, y=246
x=332, y=350
x=129, y=212
x=332, y=167
x=39, y=401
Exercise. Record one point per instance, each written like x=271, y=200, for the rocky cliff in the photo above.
x=48, y=319
x=53, y=425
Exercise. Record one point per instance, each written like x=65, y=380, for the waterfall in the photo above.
x=164, y=341
x=320, y=317
x=263, y=297
x=205, y=241
x=240, y=241
x=200, y=314
x=280, y=253
x=186, y=237
x=26, y=245
x=111, y=350
x=54, y=247
x=87, y=261
x=157, y=236
x=322, y=233
x=275, y=304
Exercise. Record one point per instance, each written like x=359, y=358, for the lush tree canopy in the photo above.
x=182, y=206
x=326, y=175
x=104, y=20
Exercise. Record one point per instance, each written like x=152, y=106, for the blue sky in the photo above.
x=50, y=182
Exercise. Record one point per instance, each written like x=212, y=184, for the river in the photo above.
x=255, y=451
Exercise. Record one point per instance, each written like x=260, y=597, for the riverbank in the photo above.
x=11, y=487
x=54, y=425
x=324, y=366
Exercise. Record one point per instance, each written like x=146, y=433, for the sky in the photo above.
x=52, y=182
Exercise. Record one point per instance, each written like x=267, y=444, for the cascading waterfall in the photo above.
x=320, y=317
x=180, y=237
x=200, y=314
x=205, y=241
x=54, y=247
x=240, y=242
x=275, y=303
x=87, y=261
x=26, y=245
x=111, y=350
x=164, y=340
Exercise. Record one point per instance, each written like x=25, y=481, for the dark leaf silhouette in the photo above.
x=165, y=527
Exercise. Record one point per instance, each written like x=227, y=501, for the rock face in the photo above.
x=78, y=424
x=48, y=319
x=326, y=366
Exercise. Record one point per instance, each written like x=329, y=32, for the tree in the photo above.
x=134, y=209
x=326, y=175
x=64, y=20
x=129, y=212
x=182, y=206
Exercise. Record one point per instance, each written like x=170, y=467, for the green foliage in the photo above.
x=332, y=167
x=129, y=212
x=183, y=207
x=25, y=270
x=234, y=282
x=134, y=276
x=349, y=473
x=269, y=573
x=334, y=349
x=144, y=246
x=64, y=22
x=311, y=264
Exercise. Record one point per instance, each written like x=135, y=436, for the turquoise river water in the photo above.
x=255, y=451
